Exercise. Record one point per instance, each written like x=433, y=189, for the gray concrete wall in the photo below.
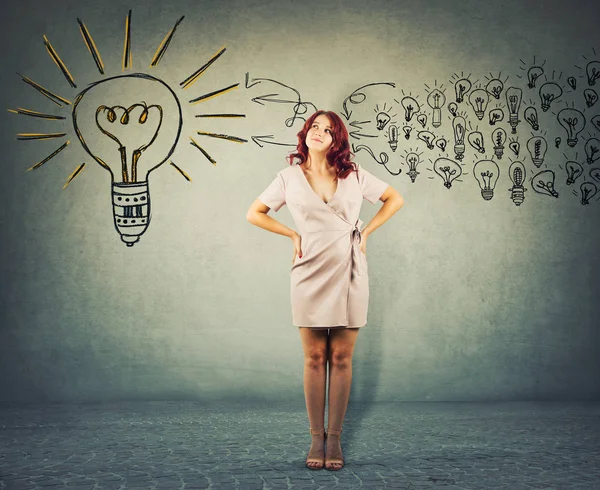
x=470, y=299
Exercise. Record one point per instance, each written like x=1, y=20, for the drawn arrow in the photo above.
x=357, y=97
x=263, y=139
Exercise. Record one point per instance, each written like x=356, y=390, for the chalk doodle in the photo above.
x=543, y=183
x=448, y=170
x=422, y=120
x=383, y=157
x=537, y=147
x=393, y=136
x=459, y=129
x=407, y=130
x=517, y=174
x=495, y=115
x=412, y=160
x=515, y=147
x=499, y=139
x=592, y=150
x=299, y=108
x=572, y=81
x=486, y=173
x=495, y=86
x=531, y=116
x=356, y=132
x=533, y=72
x=588, y=190
x=358, y=97
x=453, y=108
x=428, y=137
x=436, y=100
x=549, y=92
x=574, y=171
x=410, y=106
x=462, y=85
x=383, y=117
x=573, y=121
x=479, y=100
x=475, y=139
x=590, y=96
x=139, y=136
x=441, y=143
x=514, y=96
x=557, y=141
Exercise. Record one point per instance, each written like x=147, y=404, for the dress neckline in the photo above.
x=313, y=191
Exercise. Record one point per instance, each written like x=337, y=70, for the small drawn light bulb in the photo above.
x=496, y=115
x=588, y=190
x=475, y=139
x=461, y=87
x=436, y=100
x=543, y=183
x=549, y=92
x=514, y=96
x=393, y=137
x=531, y=116
x=382, y=119
x=459, y=127
x=406, y=130
x=479, y=99
x=486, y=173
x=573, y=121
x=591, y=97
x=533, y=74
x=411, y=107
x=499, y=138
x=517, y=173
x=537, y=148
x=412, y=160
x=592, y=150
x=574, y=171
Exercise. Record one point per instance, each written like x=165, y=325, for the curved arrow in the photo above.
x=356, y=94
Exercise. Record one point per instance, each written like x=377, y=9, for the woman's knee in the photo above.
x=316, y=358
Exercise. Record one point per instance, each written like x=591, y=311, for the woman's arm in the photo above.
x=392, y=202
x=257, y=215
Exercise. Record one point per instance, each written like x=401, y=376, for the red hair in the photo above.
x=339, y=153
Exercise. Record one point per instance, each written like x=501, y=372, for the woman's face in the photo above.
x=319, y=136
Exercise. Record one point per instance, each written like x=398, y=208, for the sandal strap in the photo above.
x=334, y=432
x=317, y=432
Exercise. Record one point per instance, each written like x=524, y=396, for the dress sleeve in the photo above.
x=274, y=195
x=372, y=188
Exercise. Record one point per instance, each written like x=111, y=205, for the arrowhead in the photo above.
x=259, y=139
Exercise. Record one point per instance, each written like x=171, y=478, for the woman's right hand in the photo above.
x=297, y=240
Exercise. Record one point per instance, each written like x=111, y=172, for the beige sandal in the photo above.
x=334, y=460
x=316, y=432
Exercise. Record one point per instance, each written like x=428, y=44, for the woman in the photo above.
x=329, y=281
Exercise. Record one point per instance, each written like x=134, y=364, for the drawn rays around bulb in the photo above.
x=590, y=68
x=110, y=115
x=531, y=71
x=383, y=116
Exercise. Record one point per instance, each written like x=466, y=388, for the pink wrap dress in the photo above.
x=330, y=282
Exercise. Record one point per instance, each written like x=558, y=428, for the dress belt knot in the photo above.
x=356, y=240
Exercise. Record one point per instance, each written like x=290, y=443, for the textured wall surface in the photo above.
x=470, y=299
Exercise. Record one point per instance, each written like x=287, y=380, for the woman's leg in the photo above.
x=314, y=344
x=341, y=348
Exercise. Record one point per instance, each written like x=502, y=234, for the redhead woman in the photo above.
x=329, y=286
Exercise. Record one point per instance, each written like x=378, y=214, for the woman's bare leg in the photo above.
x=314, y=344
x=341, y=348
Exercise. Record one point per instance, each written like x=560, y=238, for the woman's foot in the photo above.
x=333, y=458
x=316, y=454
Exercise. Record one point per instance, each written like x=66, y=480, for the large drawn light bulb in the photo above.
x=448, y=170
x=517, y=174
x=129, y=138
x=486, y=173
x=411, y=107
x=549, y=92
x=592, y=150
x=436, y=100
x=537, y=147
x=461, y=87
x=533, y=74
x=479, y=99
x=514, y=95
x=573, y=121
x=412, y=160
x=459, y=126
